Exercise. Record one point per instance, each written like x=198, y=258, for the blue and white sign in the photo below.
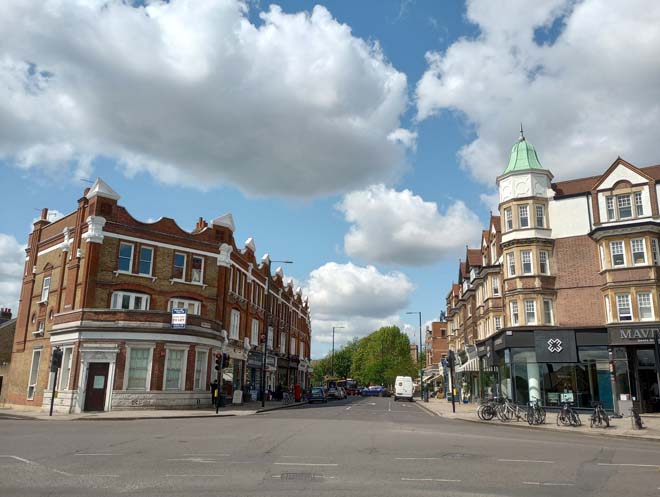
x=179, y=318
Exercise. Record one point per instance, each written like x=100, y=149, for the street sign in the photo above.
x=179, y=318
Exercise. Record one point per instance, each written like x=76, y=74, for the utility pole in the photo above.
x=419, y=356
x=332, y=359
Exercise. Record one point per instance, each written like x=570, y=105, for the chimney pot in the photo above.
x=44, y=213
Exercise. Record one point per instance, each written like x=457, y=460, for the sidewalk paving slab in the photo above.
x=619, y=427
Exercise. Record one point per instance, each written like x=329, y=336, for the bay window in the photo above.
x=623, y=307
x=513, y=307
x=511, y=263
x=639, y=206
x=638, y=249
x=618, y=256
x=547, y=311
x=530, y=311
x=611, y=215
x=508, y=217
x=543, y=262
x=645, y=306
x=540, y=216
x=526, y=258
x=523, y=216
x=624, y=205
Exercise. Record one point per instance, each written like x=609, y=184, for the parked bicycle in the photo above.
x=535, y=413
x=599, y=417
x=486, y=410
x=568, y=416
x=636, y=419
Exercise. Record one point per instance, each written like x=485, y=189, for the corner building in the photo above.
x=568, y=284
x=102, y=286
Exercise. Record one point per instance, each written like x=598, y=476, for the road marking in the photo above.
x=526, y=460
x=389, y=406
x=429, y=479
x=632, y=465
x=102, y=476
x=192, y=476
x=80, y=454
x=349, y=408
x=26, y=461
x=207, y=455
x=418, y=458
x=194, y=459
x=548, y=484
x=304, y=464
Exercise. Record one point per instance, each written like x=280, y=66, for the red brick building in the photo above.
x=437, y=343
x=102, y=286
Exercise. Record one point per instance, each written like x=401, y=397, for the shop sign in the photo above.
x=255, y=360
x=630, y=335
x=471, y=351
x=179, y=318
x=555, y=345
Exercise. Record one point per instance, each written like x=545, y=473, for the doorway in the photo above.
x=648, y=380
x=97, y=382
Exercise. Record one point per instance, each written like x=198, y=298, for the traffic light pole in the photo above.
x=52, y=397
x=55, y=364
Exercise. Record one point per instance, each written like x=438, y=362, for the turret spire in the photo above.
x=522, y=135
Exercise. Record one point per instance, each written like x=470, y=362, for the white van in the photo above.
x=403, y=388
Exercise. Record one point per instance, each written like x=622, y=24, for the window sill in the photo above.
x=37, y=333
x=138, y=275
x=174, y=280
x=42, y=302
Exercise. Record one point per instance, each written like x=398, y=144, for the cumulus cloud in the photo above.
x=361, y=299
x=398, y=227
x=12, y=261
x=191, y=92
x=589, y=95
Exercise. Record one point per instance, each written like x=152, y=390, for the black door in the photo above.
x=97, y=382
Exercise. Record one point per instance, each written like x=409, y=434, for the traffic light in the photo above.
x=218, y=361
x=225, y=360
x=451, y=359
x=56, y=360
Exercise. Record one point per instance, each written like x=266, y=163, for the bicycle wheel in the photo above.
x=560, y=420
x=594, y=420
x=575, y=419
x=541, y=415
x=606, y=419
x=488, y=413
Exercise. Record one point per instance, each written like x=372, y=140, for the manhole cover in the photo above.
x=299, y=476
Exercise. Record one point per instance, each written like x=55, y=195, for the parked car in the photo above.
x=333, y=393
x=374, y=391
x=403, y=388
x=318, y=395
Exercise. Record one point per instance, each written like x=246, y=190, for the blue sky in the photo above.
x=359, y=139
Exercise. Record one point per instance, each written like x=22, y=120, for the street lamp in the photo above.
x=332, y=360
x=264, y=337
x=419, y=355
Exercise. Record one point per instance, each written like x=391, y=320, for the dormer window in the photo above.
x=639, y=206
x=610, y=208
x=624, y=205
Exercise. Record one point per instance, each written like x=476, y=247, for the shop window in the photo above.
x=543, y=262
x=254, y=335
x=645, y=306
x=610, y=208
x=526, y=258
x=67, y=354
x=125, y=262
x=639, y=206
x=547, y=311
x=45, y=289
x=530, y=311
x=197, y=274
x=34, y=374
x=523, y=216
x=623, y=307
x=508, y=216
x=234, y=324
x=638, y=250
x=145, y=265
x=514, y=312
x=179, y=268
x=624, y=205
x=201, y=359
x=139, y=360
x=511, y=263
x=540, y=216
x=130, y=301
x=618, y=255
x=191, y=306
x=174, y=369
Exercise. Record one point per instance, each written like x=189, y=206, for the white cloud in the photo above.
x=398, y=227
x=12, y=261
x=361, y=299
x=492, y=201
x=191, y=92
x=585, y=98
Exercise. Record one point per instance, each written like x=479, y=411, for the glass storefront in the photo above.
x=635, y=377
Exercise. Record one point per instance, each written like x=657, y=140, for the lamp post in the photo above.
x=332, y=360
x=264, y=337
x=419, y=355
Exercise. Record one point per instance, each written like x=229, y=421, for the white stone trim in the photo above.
x=94, y=232
x=136, y=337
x=96, y=353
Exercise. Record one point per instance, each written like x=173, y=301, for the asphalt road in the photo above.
x=359, y=447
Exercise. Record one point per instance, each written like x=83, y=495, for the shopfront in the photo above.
x=254, y=368
x=634, y=353
x=552, y=365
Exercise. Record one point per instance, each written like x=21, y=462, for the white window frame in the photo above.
x=33, y=378
x=151, y=260
x=523, y=208
x=65, y=376
x=523, y=253
x=182, y=371
x=655, y=251
x=269, y=337
x=127, y=367
x=650, y=306
x=609, y=203
x=200, y=279
x=234, y=325
x=544, y=254
x=639, y=204
x=495, y=285
x=511, y=264
x=633, y=242
x=118, y=297
x=623, y=317
x=619, y=206
x=45, y=289
x=185, y=264
x=292, y=346
x=622, y=254
x=540, y=215
x=497, y=323
x=608, y=309
x=530, y=310
x=514, y=312
x=508, y=219
x=548, y=312
x=282, y=342
x=199, y=379
x=186, y=303
x=254, y=332
x=601, y=250
x=130, y=261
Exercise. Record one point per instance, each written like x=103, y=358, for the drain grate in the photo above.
x=299, y=476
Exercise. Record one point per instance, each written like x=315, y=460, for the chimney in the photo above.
x=5, y=314
x=86, y=192
x=44, y=214
x=201, y=224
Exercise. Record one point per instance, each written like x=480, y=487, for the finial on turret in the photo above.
x=522, y=135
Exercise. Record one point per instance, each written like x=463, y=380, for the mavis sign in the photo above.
x=630, y=335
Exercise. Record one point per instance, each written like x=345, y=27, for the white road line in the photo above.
x=210, y=454
x=194, y=459
x=26, y=461
x=349, y=408
x=526, y=460
x=192, y=476
x=429, y=479
x=59, y=472
x=389, y=406
x=102, y=476
x=549, y=484
x=304, y=464
x=631, y=465
x=418, y=458
x=79, y=454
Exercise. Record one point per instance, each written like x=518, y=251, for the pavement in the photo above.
x=357, y=447
x=619, y=427
x=246, y=409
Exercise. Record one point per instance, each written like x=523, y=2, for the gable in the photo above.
x=621, y=171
